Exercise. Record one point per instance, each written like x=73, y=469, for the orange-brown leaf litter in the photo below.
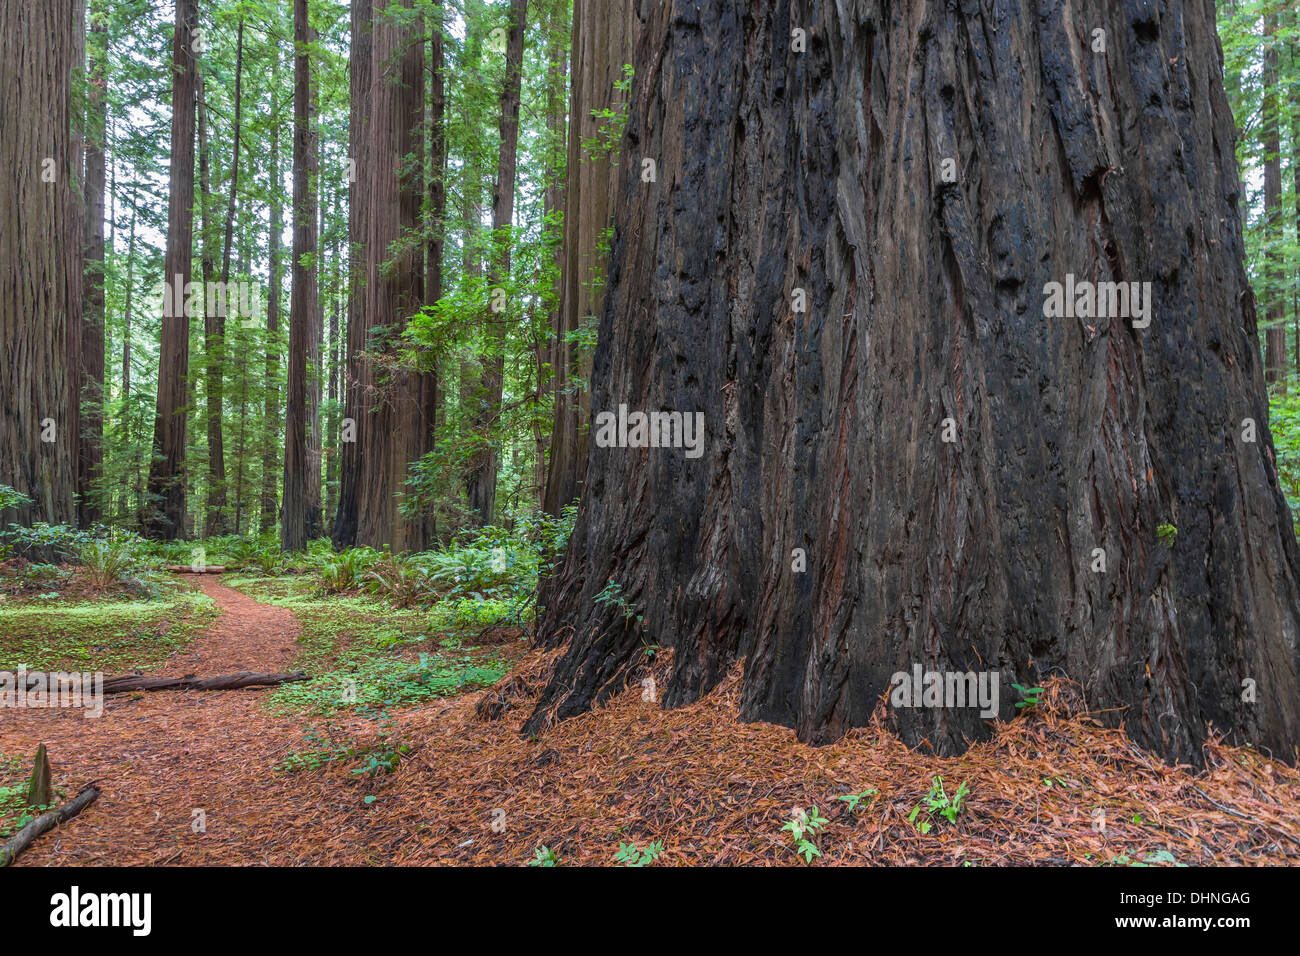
x=712, y=789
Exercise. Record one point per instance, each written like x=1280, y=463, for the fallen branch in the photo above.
x=130, y=682
x=189, y=569
x=45, y=822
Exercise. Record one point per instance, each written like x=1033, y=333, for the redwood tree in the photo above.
x=90, y=455
x=484, y=464
x=302, y=300
x=601, y=45
x=40, y=259
x=166, y=470
x=394, y=408
x=803, y=266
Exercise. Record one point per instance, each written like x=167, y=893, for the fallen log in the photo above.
x=130, y=682
x=46, y=821
x=190, y=569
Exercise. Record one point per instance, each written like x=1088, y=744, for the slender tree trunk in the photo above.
x=437, y=227
x=315, y=351
x=40, y=265
x=127, y=434
x=90, y=458
x=907, y=460
x=485, y=463
x=167, y=468
x=213, y=360
x=359, y=74
x=603, y=33
x=1293, y=21
x=215, y=319
x=1275, y=296
x=271, y=400
x=126, y=310
x=545, y=351
x=330, y=449
x=302, y=302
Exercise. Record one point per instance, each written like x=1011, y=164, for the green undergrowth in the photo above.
x=113, y=636
x=14, y=812
x=364, y=653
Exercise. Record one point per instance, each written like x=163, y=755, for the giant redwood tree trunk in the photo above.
x=823, y=171
x=40, y=259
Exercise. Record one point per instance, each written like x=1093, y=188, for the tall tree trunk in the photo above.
x=127, y=435
x=271, y=399
x=315, y=352
x=1294, y=24
x=213, y=360
x=359, y=76
x=214, y=323
x=167, y=467
x=330, y=450
x=1274, y=294
x=836, y=303
x=90, y=457
x=396, y=424
x=302, y=301
x=40, y=268
x=603, y=32
x=545, y=351
x=437, y=226
x=485, y=463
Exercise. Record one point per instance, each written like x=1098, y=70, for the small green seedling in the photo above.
x=630, y=855
x=1167, y=534
x=805, y=829
x=938, y=802
x=1030, y=695
x=544, y=856
x=853, y=799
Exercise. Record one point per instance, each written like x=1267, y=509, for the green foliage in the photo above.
x=115, y=636
x=630, y=855
x=12, y=498
x=544, y=856
x=805, y=829
x=1030, y=695
x=611, y=122
x=853, y=799
x=14, y=811
x=937, y=802
x=345, y=571
x=401, y=580
x=1166, y=534
x=110, y=560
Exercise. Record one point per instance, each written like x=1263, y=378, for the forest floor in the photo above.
x=224, y=777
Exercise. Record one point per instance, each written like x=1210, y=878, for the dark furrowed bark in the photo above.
x=821, y=171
